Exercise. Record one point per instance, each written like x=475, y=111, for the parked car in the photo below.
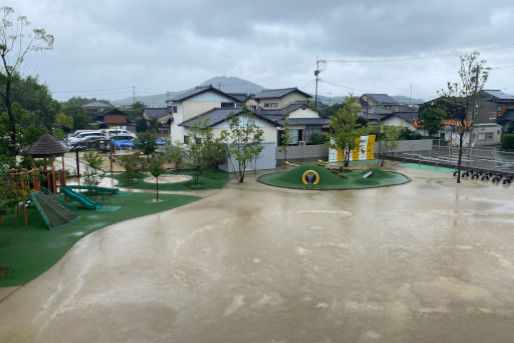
x=79, y=137
x=87, y=141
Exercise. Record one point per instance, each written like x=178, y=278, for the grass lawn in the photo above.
x=29, y=251
x=208, y=180
x=293, y=178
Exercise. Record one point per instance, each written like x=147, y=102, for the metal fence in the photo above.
x=443, y=154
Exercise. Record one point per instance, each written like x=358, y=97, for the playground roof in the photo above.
x=46, y=146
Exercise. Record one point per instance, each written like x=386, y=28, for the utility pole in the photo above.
x=316, y=75
x=473, y=114
x=133, y=94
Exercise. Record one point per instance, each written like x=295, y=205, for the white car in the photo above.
x=119, y=132
x=78, y=137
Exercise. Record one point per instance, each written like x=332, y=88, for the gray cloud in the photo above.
x=106, y=47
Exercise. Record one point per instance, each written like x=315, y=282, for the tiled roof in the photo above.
x=97, y=104
x=241, y=97
x=215, y=116
x=103, y=113
x=156, y=112
x=382, y=99
x=277, y=93
x=498, y=94
x=199, y=90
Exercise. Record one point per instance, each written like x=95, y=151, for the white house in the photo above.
x=268, y=109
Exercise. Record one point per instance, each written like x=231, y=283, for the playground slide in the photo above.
x=80, y=198
x=54, y=214
x=96, y=189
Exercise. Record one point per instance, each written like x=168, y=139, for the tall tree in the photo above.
x=156, y=169
x=463, y=94
x=345, y=128
x=245, y=141
x=17, y=41
x=432, y=119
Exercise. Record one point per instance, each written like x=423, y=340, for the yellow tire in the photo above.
x=304, y=177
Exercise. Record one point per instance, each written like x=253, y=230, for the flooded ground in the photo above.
x=427, y=261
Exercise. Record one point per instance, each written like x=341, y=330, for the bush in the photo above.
x=317, y=139
x=407, y=134
x=508, y=141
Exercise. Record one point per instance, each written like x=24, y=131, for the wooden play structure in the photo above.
x=30, y=183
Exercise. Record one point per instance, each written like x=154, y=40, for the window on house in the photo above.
x=271, y=104
x=295, y=136
x=173, y=109
x=198, y=140
x=227, y=104
x=488, y=136
x=186, y=139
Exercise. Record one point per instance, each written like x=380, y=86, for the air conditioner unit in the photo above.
x=302, y=143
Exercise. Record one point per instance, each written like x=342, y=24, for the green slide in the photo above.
x=80, y=198
x=96, y=189
x=54, y=213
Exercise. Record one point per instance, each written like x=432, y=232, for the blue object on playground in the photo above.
x=122, y=143
x=80, y=198
x=161, y=142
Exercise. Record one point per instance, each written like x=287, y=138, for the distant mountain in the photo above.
x=227, y=84
x=405, y=100
x=230, y=84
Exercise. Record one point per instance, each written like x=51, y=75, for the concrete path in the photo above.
x=428, y=261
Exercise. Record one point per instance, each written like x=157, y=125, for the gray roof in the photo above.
x=277, y=93
x=308, y=121
x=199, y=90
x=382, y=99
x=215, y=116
x=156, y=112
x=407, y=116
x=97, y=104
x=241, y=97
x=498, y=94
x=277, y=116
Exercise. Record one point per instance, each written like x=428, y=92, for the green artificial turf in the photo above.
x=293, y=178
x=29, y=251
x=208, y=180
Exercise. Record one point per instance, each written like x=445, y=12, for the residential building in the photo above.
x=267, y=109
x=95, y=107
x=161, y=117
x=111, y=118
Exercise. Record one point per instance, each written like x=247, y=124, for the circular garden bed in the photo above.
x=328, y=180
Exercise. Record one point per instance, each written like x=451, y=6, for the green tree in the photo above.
x=432, y=119
x=285, y=138
x=79, y=101
x=93, y=172
x=196, y=148
x=345, y=128
x=10, y=193
x=81, y=120
x=245, y=141
x=407, y=134
x=176, y=153
x=156, y=169
x=63, y=124
x=17, y=41
x=463, y=95
x=130, y=164
x=146, y=142
x=136, y=111
x=388, y=141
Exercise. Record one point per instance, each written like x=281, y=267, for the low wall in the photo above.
x=408, y=146
x=303, y=153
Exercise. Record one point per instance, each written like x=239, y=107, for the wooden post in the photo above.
x=63, y=183
x=25, y=219
x=46, y=174
x=53, y=175
x=78, y=164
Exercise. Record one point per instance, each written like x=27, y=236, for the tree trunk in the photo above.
x=459, y=162
x=13, y=150
x=157, y=185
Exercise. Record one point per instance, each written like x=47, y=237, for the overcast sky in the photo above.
x=103, y=48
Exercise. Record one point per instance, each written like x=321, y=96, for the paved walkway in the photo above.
x=427, y=261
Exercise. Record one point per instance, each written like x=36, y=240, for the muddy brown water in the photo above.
x=427, y=261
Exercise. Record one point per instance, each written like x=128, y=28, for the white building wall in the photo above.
x=304, y=113
x=398, y=122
